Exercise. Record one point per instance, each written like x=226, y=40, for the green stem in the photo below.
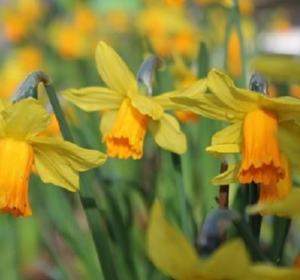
x=87, y=199
x=281, y=228
x=253, y=247
x=181, y=194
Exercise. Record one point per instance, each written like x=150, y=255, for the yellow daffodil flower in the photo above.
x=21, y=146
x=173, y=255
x=289, y=139
x=256, y=118
x=129, y=113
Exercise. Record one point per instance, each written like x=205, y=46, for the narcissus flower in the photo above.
x=173, y=255
x=129, y=113
x=256, y=119
x=21, y=146
x=289, y=138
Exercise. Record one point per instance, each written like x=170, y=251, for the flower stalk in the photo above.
x=95, y=221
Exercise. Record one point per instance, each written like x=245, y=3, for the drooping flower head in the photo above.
x=22, y=146
x=129, y=112
x=256, y=119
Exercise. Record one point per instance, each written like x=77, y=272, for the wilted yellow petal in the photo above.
x=192, y=90
x=147, y=106
x=222, y=86
x=94, y=98
x=229, y=176
x=287, y=207
x=58, y=161
x=269, y=272
x=25, y=119
x=167, y=134
x=107, y=121
x=168, y=249
x=114, y=71
x=229, y=262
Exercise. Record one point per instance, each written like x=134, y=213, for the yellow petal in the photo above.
x=231, y=134
x=224, y=149
x=167, y=134
x=114, y=71
x=222, y=86
x=289, y=137
x=25, y=119
x=269, y=272
x=2, y=105
x=107, y=121
x=229, y=262
x=227, y=177
x=285, y=107
x=147, y=106
x=209, y=106
x=165, y=101
x=93, y=98
x=288, y=207
x=227, y=140
x=168, y=249
x=58, y=161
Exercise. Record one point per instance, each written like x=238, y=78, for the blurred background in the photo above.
x=59, y=37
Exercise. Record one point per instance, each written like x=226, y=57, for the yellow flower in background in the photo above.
x=16, y=67
x=85, y=19
x=176, y=2
x=130, y=113
x=183, y=78
x=279, y=68
x=168, y=30
x=227, y=3
x=255, y=121
x=70, y=41
x=234, y=54
x=56, y=161
x=172, y=254
x=20, y=17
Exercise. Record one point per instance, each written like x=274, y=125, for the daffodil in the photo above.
x=255, y=120
x=130, y=112
x=21, y=146
x=173, y=255
x=289, y=138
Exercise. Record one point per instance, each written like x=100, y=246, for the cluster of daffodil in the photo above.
x=256, y=120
